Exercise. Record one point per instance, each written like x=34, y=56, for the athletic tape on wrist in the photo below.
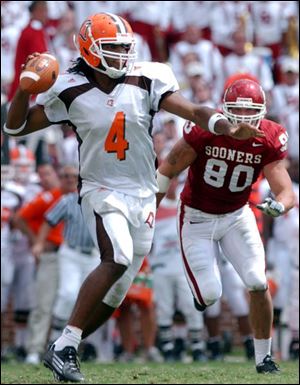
x=163, y=182
x=16, y=131
x=213, y=120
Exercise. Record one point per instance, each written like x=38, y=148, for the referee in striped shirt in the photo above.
x=77, y=256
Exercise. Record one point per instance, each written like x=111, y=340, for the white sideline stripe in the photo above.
x=30, y=74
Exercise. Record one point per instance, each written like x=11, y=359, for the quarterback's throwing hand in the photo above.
x=243, y=131
x=271, y=207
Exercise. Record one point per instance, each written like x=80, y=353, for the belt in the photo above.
x=49, y=246
x=82, y=250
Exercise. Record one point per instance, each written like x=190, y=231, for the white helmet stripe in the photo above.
x=118, y=21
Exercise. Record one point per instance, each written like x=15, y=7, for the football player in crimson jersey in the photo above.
x=214, y=207
x=110, y=101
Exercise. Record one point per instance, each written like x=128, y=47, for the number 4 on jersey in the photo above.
x=115, y=140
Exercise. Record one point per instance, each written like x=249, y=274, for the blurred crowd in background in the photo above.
x=205, y=43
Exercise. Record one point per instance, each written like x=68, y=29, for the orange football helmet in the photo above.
x=244, y=93
x=106, y=28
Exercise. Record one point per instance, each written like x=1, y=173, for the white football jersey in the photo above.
x=114, y=130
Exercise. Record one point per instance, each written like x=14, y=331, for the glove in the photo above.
x=271, y=207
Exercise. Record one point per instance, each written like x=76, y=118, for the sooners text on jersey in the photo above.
x=220, y=179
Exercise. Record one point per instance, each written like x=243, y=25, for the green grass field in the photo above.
x=201, y=373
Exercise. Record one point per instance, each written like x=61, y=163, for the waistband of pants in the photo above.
x=81, y=250
x=49, y=247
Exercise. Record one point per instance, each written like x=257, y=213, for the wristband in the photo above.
x=212, y=121
x=163, y=182
x=16, y=131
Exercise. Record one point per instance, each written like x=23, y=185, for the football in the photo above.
x=39, y=74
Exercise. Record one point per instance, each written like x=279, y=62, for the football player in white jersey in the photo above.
x=110, y=101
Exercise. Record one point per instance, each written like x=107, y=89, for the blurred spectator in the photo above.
x=291, y=122
x=16, y=278
x=149, y=19
x=205, y=52
x=185, y=13
x=14, y=13
x=192, y=12
x=32, y=39
x=159, y=140
x=138, y=307
x=242, y=61
x=142, y=48
x=69, y=146
x=29, y=219
x=293, y=305
x=199, y=91
x=19, y=268
x=83, y=9
x=285, y=106
x=56, y=12
x=76, y=255
x=65, y=49
x=285, y=96
x=273, y=24
x=236, y=297
x=14, y=17
x=187, y=59
x=237, y=16
x=282, y=252
x=171, y=290
x=270, y=21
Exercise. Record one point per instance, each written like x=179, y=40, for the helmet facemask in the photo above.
x=248, y=95
x=253, y=119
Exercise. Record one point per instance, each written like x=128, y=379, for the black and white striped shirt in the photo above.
x=76, y=233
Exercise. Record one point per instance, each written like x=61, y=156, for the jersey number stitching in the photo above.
x=215, y=171
x=115, y=140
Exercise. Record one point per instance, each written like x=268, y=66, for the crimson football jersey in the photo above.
x=220, y=179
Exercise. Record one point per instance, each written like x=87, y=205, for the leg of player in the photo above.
x=67, y=345
x=243, y=247
x=62, y=357
x=261, y=318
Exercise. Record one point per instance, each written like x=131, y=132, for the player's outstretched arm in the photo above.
x=181, y=156
x=207, y=118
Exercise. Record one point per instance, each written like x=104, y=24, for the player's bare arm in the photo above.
x=176, y=104
x=22, y=120
x=280, y=184
x=180, y=157
x=19, y=114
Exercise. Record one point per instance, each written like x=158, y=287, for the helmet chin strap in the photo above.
x=111, y=72
x=250, y=121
